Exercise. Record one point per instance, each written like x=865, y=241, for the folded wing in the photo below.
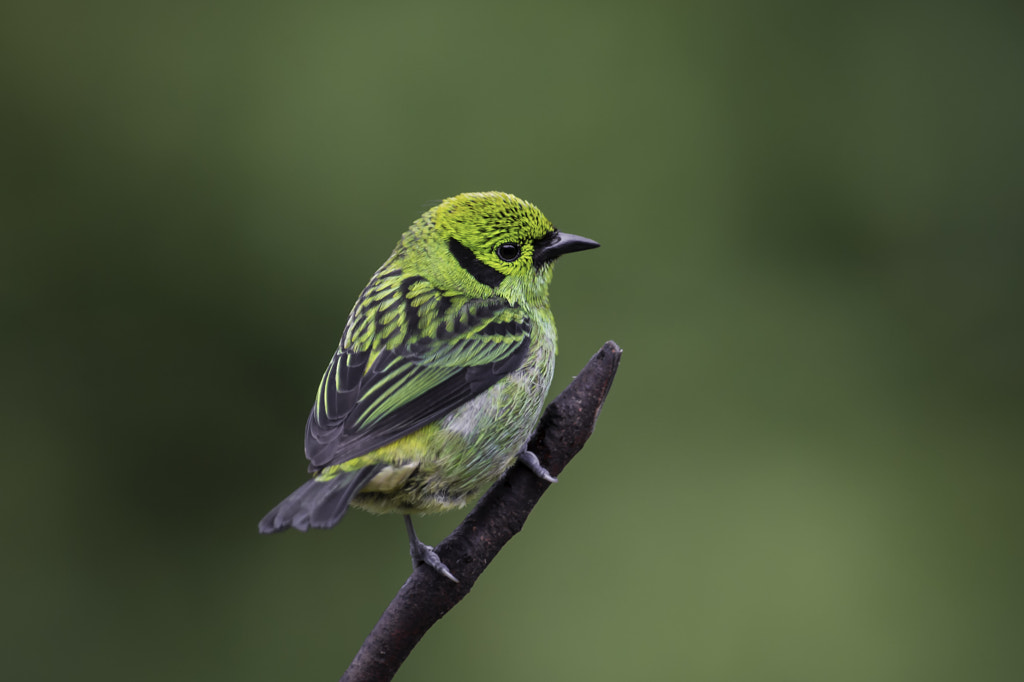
x=369, y=398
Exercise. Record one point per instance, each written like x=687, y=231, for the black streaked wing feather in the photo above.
x=352, y=415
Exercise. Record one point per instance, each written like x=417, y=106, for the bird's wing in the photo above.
x=369, y=398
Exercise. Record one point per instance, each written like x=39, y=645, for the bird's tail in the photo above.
x=317, y=504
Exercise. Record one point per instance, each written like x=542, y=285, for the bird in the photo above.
x=441, y=371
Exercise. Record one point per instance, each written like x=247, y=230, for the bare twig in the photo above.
x=427, y=596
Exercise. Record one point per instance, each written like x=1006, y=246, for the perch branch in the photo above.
x=427, y=596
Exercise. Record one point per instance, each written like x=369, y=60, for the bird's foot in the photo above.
x=534, y=465
x=424, y=554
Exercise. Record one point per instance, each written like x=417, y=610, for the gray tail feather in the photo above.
x=317, y=504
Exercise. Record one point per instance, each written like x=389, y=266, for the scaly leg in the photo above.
x=425, y=554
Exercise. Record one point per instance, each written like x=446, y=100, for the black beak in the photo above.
x=555, y=244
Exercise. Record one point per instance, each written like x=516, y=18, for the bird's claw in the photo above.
x=533, y=464
x=425, y=554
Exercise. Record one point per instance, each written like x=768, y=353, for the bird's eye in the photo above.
x=509, y=252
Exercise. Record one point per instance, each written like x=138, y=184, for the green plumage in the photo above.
x=442, y=369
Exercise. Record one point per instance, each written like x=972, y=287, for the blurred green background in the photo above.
x=811, y=215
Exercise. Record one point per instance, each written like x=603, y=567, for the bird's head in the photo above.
x=486, y=244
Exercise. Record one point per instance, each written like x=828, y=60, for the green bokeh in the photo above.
x=811, y=214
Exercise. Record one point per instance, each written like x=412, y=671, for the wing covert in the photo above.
x=368, y=398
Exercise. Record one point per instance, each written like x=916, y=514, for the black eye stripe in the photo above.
x=482, y=272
